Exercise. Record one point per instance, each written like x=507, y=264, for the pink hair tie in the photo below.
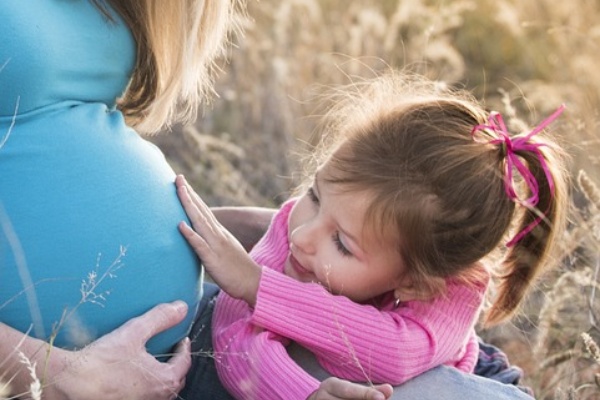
x=497, y=128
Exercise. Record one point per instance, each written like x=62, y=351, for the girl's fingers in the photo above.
x=336, y=388
x=202, y=206
x=195, y=199
x=207, y=233
x=188, y=204
x=385, y=389
x=198, y=205
x=194, y=213
x=194, y=239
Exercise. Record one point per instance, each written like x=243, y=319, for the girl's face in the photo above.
x=327, y=245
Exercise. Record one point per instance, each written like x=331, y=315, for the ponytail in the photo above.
x=539, y=223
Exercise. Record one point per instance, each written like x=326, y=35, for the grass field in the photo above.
x=516, y=56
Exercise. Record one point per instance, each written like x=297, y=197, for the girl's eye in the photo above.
x=340, y=245
x=312, y=196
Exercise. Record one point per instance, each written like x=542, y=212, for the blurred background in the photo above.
x=520, y=58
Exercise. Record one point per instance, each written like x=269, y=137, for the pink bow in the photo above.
x=519, y=143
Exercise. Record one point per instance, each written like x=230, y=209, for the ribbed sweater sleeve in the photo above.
x=252, y=362
x=360, y=342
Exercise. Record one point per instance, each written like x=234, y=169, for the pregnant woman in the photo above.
x=88, y=210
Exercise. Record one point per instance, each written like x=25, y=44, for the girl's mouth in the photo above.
x=300, y=270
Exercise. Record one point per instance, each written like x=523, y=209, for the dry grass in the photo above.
x=537, y=54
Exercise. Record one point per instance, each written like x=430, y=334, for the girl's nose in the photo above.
x=303, y=238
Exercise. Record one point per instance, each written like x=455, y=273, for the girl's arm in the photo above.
x=253, y=363
x=362, y=343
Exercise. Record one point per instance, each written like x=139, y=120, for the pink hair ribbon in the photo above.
x=512, y=146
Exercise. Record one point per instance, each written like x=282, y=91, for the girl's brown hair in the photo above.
x=178, y=43
x=438, y=193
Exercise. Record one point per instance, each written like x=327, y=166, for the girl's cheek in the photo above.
x=326, y=275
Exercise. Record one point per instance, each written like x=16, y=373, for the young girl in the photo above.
x=376, y=267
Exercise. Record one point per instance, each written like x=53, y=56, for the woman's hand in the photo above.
x=222, y=255
x=337, y=389
x=117, y=366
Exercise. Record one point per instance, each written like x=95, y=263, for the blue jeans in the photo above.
x=441, y=383
x=447, y=383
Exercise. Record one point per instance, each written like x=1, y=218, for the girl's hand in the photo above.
x=337, y=389
x=117, y=366
x=222, y=255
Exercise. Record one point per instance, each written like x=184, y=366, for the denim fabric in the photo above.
x=202, y=381
x=493, y=363
x=447, y=383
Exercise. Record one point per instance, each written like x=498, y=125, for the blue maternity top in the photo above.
x=88, y=209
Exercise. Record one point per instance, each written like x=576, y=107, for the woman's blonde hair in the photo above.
x=438, y=193
x=178, y=43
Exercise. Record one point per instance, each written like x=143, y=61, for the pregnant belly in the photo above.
x=89, y=235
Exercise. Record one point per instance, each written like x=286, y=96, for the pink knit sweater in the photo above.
x=358, y=342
